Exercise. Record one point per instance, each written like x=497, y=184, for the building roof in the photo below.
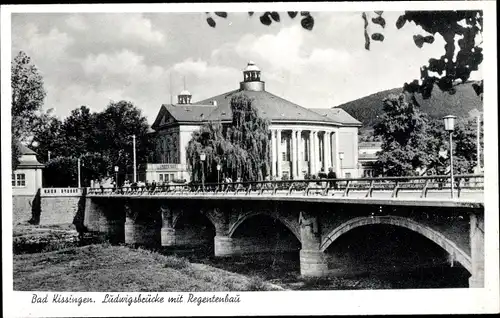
x=251, y=67
x=25, y=150
x=269, y=106
x=337, y=115
x=28, y=158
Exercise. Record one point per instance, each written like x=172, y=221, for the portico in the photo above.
x=300, y=150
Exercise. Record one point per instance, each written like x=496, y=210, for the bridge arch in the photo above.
x=433, y=235
x=275, y=216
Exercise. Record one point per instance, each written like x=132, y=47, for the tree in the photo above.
x=79, y=133
x=62, y=171
x=27, y=99
x=411, y=141
x=453, y=67
x=113, y=139
x=242, y=148
x=404, y=131
x=250, y=132
x=47, y=136
x=101, y=140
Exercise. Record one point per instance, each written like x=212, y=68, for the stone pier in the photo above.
x=138, y=228
x=223, y=246
x=477, y=250
x=313, y=262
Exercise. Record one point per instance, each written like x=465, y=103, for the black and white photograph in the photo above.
x=249, y=158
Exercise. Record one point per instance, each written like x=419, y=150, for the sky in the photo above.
x=94, y=58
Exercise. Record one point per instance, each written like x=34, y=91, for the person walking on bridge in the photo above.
x=332, y=175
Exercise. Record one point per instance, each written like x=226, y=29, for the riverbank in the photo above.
x=107, y=268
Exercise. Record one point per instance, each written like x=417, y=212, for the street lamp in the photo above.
x=478, y=150
x=341, y=157
x=449, y=125
x=203, y=156
x=135, y=165
x=218, y=173
x=116, y=176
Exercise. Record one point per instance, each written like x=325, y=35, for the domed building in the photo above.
x=303, y=140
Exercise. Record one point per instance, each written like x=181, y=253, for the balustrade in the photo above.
x=393, y=187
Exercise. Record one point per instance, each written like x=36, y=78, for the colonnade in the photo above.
x=309, y=151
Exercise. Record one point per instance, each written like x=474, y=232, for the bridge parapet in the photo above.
x=467, y=187
x=60, y=192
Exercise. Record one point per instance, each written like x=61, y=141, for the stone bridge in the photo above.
x=244, y=220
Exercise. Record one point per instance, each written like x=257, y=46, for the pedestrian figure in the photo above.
x=153, y=186
x=332, y=175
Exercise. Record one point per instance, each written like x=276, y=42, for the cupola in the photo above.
x=184, y=97
x=251, y=78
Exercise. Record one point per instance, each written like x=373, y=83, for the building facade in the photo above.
x=303, y=140
x=367, y=157
x=27, y=178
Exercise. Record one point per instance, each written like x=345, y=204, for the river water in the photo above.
x=378, y=257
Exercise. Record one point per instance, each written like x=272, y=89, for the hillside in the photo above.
x=368, y=108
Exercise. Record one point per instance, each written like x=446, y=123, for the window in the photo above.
x=161, y=177
x=347, y=174
x=18, y=180
x=167, y=177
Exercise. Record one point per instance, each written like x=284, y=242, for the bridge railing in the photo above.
x=393, y=187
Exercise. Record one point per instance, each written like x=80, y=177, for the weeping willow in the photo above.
x=242, y=148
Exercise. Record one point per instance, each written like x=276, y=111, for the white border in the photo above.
x=279, y=303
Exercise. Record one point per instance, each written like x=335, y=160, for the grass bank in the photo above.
x=107, y=268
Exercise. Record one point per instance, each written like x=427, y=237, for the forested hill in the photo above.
x=368, y=109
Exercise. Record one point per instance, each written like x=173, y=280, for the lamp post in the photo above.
x=116, y=176
x=478, y=143
x=202, y=158
x=341, y=157
x=449, y=125
x=135, y=164
x=218, y=173
x=78, y=161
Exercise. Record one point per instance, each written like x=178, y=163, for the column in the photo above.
x=477, y=250
x=317, y=162
x=336, y=154
x=311, y=152
x=326, y=147
x=273, y=153
x=299, y=154
x=312, y=261
x=278, y=154
x=293, y=150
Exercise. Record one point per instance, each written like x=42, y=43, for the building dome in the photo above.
x=251, y=78
x=185, y=92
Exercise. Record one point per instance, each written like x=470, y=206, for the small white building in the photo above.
x=27, y=178
x=367, y=157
